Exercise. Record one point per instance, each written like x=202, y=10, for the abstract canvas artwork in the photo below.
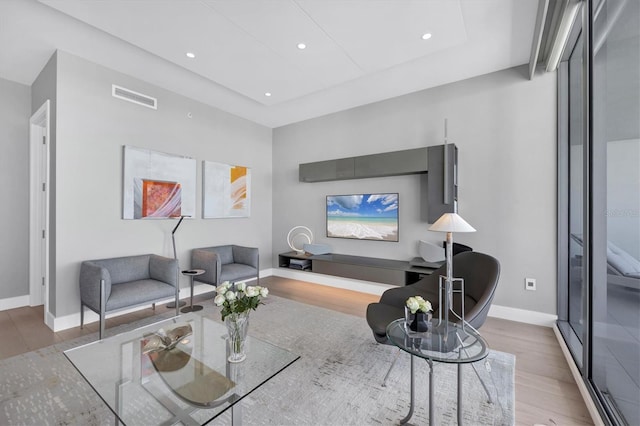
x=226, y=190
x=154, y=198
x=157, y=185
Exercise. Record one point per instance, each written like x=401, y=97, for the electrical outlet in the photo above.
x=530, y=284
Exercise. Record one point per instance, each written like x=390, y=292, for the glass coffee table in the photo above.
x=176, y=371
x=448, y=343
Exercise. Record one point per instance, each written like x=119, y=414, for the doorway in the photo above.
x=39, y=153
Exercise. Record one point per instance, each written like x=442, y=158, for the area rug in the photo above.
x=336, y=381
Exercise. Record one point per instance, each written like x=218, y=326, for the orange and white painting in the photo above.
x=157, y=199
x=226, y=190
x=157, y=185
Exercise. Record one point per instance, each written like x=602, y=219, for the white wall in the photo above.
x=92, y=128
x=15, y=107
x=505, y=128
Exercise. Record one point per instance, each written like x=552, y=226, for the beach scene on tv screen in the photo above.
x=363, y=216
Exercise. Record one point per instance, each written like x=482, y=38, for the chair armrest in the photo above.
x=90, y=276
x=427, y=287
x=210, y=262
x=163, y=269
x=396, y=297
x=245, y=255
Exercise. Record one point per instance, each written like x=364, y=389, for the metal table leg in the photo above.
x=191, y=307
x=459, y=394
x=408, y=416
x=432, y=421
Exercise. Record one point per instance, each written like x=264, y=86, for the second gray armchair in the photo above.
x=225, y=263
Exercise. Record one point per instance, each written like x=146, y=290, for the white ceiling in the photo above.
x=358, y=51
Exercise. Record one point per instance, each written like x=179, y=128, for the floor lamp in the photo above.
x=175, y=256
x=450, y=223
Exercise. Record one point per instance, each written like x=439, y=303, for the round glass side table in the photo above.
x=445, y=342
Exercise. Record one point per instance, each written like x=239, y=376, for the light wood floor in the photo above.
x=546, y=393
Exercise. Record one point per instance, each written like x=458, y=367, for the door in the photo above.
x=39, y=209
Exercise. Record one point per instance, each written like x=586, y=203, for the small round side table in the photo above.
x=192, y=273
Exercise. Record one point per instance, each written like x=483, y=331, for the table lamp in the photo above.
x=450, y=223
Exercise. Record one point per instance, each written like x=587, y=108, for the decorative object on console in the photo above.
x=317, y=248
x=363, y=216
x=157, y=185
x=431, y=255
x=302, y=264
x=450, y=223
x=237, y=301
x=431, y=252
x=226, y=190
x=297, y=232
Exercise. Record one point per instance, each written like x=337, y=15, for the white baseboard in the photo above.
x=523, y=315
x=593, y=411
x=49, y=320
x=14, y=302
x=505, y=312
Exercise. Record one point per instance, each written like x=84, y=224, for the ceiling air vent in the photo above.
x=135, y=97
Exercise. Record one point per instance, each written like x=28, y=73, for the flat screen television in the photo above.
x=363, y=216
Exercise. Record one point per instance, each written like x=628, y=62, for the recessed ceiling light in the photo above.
x=302, y=46
x=267, y=94
x=191, y=55
x=426, y=36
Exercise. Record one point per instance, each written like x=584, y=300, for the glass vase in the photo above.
x=237, y=326
x=417, y=322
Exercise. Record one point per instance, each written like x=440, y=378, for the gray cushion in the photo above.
x=622, y=262
x=137, y=293
x=225, y=253
x=245, y=255
x=237, y=271
x=129, y=268
x=163, y=269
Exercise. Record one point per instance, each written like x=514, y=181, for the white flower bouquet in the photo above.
x=417, y=303
x=417, y=314
x=238, y=298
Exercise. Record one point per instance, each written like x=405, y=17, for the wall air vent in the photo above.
x=135, y=97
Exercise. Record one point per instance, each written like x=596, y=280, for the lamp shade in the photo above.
x=451, y=222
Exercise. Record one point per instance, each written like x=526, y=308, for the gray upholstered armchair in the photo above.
x=109, y=285
x=225, y=263
x=480, y=273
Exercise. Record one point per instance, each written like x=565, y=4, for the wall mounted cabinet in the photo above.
x=438, y=166
x=441, y=193
x=323, y=171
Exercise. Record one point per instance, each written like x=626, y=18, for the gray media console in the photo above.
x=386, y=271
